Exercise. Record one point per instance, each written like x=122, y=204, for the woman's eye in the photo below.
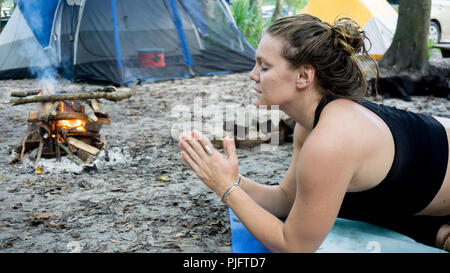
x=263, y=68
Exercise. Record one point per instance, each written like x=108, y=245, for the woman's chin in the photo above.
x=266, y=106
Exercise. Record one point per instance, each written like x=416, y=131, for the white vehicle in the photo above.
x=440, y=21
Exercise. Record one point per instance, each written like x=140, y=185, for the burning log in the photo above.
x=116, y=96
x=89, y=112
x=33, y=117
x=51, y=111
x=65, y=124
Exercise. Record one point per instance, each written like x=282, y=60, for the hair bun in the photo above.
x=349, y=35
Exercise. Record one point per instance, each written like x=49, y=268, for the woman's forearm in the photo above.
x=270, y=197
x=266, y=228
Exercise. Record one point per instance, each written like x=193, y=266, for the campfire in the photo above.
x=65, y=124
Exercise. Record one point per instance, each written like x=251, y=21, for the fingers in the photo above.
x=229, y=147
x=189, y=161
x=204, y=141
x=191, y=148
x=198, y=142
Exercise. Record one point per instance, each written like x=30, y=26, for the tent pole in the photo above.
x=116, y=38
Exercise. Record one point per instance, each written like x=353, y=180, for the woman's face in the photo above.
x=275, y=81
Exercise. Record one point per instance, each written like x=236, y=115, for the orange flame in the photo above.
x=62, y=107
x=76, y=124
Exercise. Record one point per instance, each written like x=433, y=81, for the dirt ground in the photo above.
x=137, y=196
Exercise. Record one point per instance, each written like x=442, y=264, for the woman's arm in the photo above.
x=278, y=199
x=325, y=167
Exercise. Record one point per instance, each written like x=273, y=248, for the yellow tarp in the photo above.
x=377, y=17
x=359, y=10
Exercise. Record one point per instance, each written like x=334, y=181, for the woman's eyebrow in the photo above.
x=260, y=59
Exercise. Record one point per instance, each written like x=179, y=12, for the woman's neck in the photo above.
x=303, y=109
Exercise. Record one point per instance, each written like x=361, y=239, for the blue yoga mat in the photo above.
x=346, y=236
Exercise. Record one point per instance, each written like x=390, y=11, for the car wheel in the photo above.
x=434, y=33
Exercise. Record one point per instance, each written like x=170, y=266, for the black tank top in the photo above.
x=418, y=169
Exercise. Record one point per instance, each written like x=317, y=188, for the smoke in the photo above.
x=40, y=65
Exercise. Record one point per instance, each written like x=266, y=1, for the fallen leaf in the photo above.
x=39, y=170
x=16, y=167
x=163, y=178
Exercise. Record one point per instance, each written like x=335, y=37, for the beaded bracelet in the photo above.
x=228, y=191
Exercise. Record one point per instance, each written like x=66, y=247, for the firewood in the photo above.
x=25, y=93
x=93, y=126
x=31, y=155
x=23, y=144
x=33, y=92
x=39, y=153
x=70, y=154
x=89, y=112
x=51, y=112
x=85, y=156
x=98, y=108
x=95, y=105
x=44, y=108
x=57, y=149
x=74, y=132
x=33, y=117
x=81, y=145
x=116, y=96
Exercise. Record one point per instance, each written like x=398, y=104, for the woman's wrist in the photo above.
x=228, y=191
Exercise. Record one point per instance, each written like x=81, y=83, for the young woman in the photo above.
x=352, y=158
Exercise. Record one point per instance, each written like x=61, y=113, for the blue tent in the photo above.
x=122, y=41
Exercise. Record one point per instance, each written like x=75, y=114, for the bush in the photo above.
x=248, y=20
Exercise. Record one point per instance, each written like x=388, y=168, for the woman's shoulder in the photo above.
x=344, y=124
x=342, y=115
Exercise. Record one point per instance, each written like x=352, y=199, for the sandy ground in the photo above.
x=137, y=196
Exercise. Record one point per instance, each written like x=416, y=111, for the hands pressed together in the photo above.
x=216, y=170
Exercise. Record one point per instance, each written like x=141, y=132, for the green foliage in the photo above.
x=7, y=4
x=296, y=5
x=430, y=48
x=248, y=21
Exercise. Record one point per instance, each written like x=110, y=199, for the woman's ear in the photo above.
x=305, y=76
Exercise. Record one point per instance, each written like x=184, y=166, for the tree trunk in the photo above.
x=278, y=9
x=409, y=47
x=1, y=14
x=257, y=4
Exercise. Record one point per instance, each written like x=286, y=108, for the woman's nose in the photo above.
x=254, y=74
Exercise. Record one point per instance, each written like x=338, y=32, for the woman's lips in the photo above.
x=257, y=91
